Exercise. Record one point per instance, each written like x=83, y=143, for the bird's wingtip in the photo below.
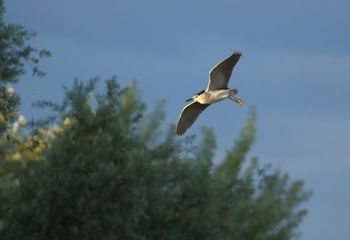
x=236, y=52
x=179, y=133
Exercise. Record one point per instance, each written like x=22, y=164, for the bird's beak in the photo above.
x=238, y=100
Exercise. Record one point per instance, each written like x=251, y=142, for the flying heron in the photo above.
x=216, y=91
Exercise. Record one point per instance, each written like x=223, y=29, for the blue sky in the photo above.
x=295, y=69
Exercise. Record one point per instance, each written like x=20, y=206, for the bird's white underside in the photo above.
x=209, y=97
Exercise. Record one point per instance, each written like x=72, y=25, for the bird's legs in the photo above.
x=237, y=100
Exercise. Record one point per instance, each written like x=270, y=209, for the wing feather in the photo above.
x=188, y=115
x=220, y=75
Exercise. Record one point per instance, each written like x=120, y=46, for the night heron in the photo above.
x=216, y=91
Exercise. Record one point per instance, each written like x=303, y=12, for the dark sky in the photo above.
x=295, y=69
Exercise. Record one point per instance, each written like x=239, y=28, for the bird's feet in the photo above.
x=238, y=100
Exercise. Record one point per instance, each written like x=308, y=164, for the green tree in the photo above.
x=105, y=175
x=16, y=55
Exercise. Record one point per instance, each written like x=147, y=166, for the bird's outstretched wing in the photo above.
x=188, y=115
x=221, y=73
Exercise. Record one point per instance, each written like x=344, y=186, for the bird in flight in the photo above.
x=216, y=91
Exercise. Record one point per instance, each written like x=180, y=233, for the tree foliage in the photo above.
x=109, y=172
x=16, y=55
